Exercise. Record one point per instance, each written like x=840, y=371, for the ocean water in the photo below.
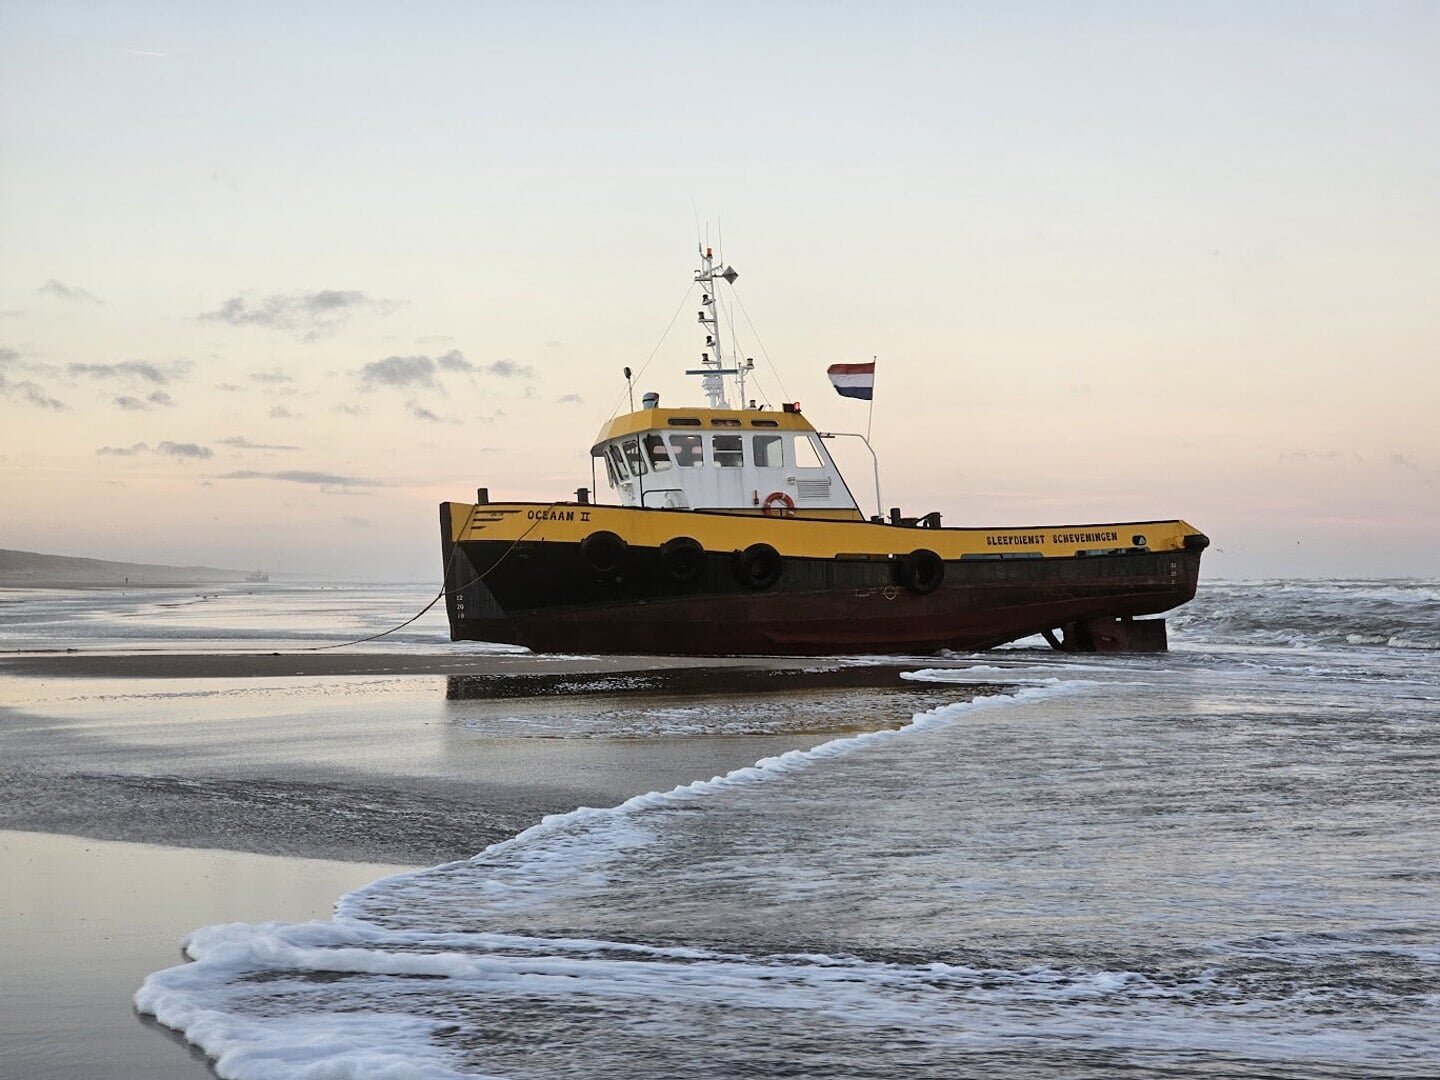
x=229, y=617
x=1220, y=861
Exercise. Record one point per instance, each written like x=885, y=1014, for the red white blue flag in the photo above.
x=853, y=380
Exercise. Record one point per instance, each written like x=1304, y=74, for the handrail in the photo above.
x=873, y=457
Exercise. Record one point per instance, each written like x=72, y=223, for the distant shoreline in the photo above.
x=36, y=570
x=7, y=582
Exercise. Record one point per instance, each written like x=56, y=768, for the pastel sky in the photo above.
x=277, y=279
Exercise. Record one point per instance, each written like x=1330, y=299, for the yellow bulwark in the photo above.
x=568, y=522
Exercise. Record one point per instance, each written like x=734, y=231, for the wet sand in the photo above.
x=347, y=765
x=373, y=761
x=83, y=922
x=715, y=672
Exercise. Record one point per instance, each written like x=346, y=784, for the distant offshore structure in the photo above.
x=257, y=577
x=735, y=533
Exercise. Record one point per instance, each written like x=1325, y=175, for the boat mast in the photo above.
x=712, y=360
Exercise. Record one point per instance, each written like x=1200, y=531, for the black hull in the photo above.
x=546, y=597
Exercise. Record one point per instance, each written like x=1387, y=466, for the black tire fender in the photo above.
x=604, y=551
x=682, y=558
x=759, y=566
x=922, y=571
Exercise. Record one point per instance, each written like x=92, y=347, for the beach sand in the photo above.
x=278, y=783
x=83, y=922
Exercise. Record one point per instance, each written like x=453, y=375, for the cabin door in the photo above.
x=727, y=462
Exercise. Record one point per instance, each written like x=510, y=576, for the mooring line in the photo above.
x=454, y=551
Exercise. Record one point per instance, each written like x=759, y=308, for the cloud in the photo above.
x=25, y=390
x=301, y=476
x=569, y=399
x=159, y=399
x=280, y=412
x=29, y=392
x=454, y=360
x=73, y=293
x=421, y=413
x=271, y=377
x=313, y=313
x=135, y=370
x=420, y=371
x=508, y=369
x=399, y=371
x=350, y=410
x=184, y=451
x=1403, y=461
x=1309, y=455
x=245, y=444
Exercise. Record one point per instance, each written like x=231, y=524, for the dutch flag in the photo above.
x=853, y=380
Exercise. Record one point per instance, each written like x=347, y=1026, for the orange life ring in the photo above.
x=778, y=498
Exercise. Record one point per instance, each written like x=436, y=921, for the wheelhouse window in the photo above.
x=632, y=455
x=687, y=450
x=768, y=454
x=610, y=471
x=657, y=452
x=728, y=451
x=807, y=455
x=617, y=462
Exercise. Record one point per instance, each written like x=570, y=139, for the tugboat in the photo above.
x=735, y=534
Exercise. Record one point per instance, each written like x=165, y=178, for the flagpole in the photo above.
x=869, y=419
x=840, y=376
x=870, y=416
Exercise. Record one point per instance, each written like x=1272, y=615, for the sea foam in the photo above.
x=230, y=1000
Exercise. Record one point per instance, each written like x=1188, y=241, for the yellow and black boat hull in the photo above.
x=566, y=577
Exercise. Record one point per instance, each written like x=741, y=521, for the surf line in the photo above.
x=575, y=823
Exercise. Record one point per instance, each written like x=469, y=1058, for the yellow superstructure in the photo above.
x=703, y=419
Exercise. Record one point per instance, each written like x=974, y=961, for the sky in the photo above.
x=275, y=280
